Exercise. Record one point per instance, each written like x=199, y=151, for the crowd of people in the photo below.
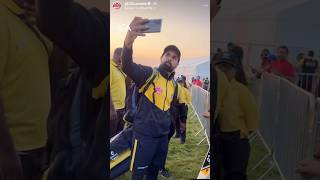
x=149, y=106
x=205, y=83
x=304, y=72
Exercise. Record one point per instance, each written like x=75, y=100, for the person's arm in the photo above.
x=81, y=33
x=250, y=109
x=137, y=73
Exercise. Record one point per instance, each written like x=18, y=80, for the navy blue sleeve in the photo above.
x=80, y=32
x=138, y=73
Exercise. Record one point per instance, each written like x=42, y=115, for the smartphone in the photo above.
x=154, y=26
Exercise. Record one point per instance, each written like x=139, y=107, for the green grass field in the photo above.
x=184, y=161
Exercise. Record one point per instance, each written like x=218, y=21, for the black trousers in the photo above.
x=232, y=156
x=117, y=125
x=33, y=162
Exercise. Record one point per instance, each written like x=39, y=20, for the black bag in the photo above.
x=61, y=157
x=73, y=142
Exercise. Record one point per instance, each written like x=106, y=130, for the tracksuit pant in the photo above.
x=148, y=156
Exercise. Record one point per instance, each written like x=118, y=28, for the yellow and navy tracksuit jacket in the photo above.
x=153, y=117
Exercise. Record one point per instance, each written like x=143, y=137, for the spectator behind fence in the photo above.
x=299, y=60
x=282, y=67
x=25, y=92
x=309, y=67
x=193, y=80
x=265, y=60
x=308, y=64
x=118, y=91
x=205, y=84
x=198, y=82
x=233, y=141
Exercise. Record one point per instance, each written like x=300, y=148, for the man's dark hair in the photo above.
x=172, y=48
x=311, y=53
x=284, y=47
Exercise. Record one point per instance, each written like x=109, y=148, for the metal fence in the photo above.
x=289, y=117
x=318, y=120
x=201, y=104
x=309, y=82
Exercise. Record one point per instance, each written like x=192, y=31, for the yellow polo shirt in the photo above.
x=225, y=107
x=24, y=80
x=184, y=95
x=117, y=86
x=248, y=117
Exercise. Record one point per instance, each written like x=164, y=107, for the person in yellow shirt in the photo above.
x=223, y=106
x=182, y=110
x=24, y=92
x=234, y=143
x=118, y=92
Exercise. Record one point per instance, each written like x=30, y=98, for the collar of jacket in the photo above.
x=166, y=74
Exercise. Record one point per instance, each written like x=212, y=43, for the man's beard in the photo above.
x=167, y=67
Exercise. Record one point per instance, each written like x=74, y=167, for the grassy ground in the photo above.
x=184, y=161
x=258, y=151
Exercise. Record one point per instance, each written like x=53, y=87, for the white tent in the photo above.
x=194, y=67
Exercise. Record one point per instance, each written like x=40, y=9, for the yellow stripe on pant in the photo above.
x=134, y=153
x=121, y=157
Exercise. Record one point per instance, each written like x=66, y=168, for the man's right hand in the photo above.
x=10, y=167
x=136, y=27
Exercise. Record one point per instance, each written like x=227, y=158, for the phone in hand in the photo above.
x=154, y=26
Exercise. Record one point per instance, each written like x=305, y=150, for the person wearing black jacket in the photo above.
x=153, y=119
x=83, y=34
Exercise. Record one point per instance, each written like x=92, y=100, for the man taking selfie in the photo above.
x=152, y=120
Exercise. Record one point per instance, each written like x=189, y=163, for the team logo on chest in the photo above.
x=158, y=90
